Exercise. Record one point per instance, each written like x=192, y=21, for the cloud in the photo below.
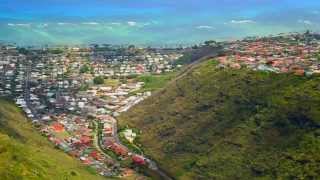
x=205, y=27
x=116, y=23
x=63, y=23
x=246, y=21
x=132, y=23
x=90, y=23
x=19, y=24
x=306, y=22
x=315, y=12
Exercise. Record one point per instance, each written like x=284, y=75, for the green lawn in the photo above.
x=155, y=82
x=111, y=82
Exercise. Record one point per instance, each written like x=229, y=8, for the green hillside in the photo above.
x=232, y=124
x=24, y=154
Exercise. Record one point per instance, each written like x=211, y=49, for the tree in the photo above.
x=23, y=51
x=210, y=43
x=318, y=56
x=56, y=51
x=131, y=47
x=98, y=80
x=84, y=69
x=84, y=87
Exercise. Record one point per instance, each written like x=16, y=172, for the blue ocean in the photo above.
x=151, y=22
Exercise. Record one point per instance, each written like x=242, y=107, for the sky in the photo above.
x=151, y=22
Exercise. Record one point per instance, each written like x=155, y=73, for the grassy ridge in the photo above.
x=155, y=82
x=233, y=124
x=24, y=154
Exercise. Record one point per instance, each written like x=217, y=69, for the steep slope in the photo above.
x=195, y=55
x=24, y=154
x=232, y=124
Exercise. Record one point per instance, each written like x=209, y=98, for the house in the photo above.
x=129, y=135
x=117, y=148
x=299, y=72
x=85, y=160
x=96, y=155
x=139, y=160
x=57, y=127
x=86, y=140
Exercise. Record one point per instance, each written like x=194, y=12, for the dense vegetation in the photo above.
x=98, y=80
x=25, y=154
x=84, y=69
x=233, y=124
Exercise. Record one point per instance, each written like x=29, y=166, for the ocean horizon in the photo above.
x=152, y=22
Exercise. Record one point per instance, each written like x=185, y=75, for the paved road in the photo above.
x=151, y=164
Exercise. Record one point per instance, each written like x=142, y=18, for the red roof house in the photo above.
x=96, y=155
x=119, y=150
x=139, y=160
x=85, y=140
x=57, y=127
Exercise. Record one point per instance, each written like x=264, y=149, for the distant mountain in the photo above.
x=214, y=123
x=25, y=154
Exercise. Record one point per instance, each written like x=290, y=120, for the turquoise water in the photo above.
x=150, y=22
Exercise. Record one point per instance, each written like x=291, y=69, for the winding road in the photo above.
x=152, y=166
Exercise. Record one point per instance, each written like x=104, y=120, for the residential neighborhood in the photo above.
x=160, y=89
x=293, y=53
x=73, y=96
